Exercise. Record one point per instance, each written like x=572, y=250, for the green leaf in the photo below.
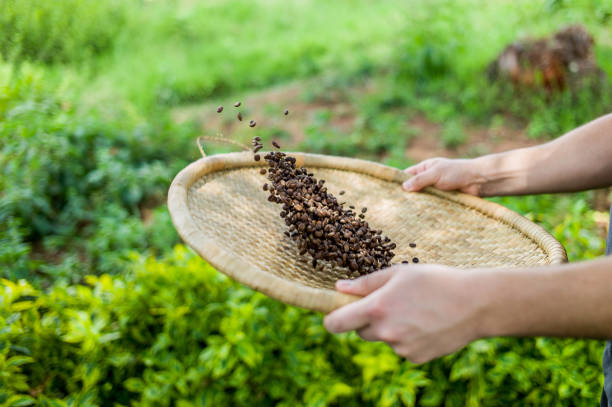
x=20, y=401
x=247, y=353
x=134, y=384
x=389, y=396
x=19, y=360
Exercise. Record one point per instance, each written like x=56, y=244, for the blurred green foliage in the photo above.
x=58, y=31
x=442, y=56
x=176, y=332
x=109, y=315
x=453, y=134
x=74, y=187
x=230, y=46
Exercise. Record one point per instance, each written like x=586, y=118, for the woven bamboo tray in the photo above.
x=219, y=209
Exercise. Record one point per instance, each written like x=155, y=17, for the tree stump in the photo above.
x=564, y=60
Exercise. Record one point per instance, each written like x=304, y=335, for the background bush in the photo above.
x=75, y=184
x=176, y=332
x=58, y=31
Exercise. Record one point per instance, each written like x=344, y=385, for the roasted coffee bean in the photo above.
x=405, y=262
x=262, y=171
x=415, y=259
x=364, y=210
x=275, y=144
x=257, y=157
x=319, y=225
x=252, y=123
x=286, y=112
x=256, y=149
x=265, y=187
x=341, y=193
x=239, y=116
x=412, y=244
x=219, y=109
x=257, y=139
x=237, y=104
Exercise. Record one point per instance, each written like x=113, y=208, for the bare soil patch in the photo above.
x=266, y=108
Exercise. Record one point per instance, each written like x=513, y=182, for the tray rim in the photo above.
x=293, y=293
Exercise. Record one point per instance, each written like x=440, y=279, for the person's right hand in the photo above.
x=445, y=174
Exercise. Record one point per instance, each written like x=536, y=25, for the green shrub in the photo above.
x=195, y=51
x=176, y=332
x=58, y=31
x=76, y=183
x=453, y=134
x=441, y=59
x=430, y=42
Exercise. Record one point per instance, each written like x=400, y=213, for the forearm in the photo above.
x=573, y=300
x=579, y=160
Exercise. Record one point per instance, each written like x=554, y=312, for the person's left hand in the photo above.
x=421, y=311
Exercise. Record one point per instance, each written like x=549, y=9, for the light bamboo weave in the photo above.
x=219, y=208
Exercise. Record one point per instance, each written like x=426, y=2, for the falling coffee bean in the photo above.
x=412, y=244
x=262, y=171
x=219, y=109
x=257, y=157
x=341, y=193
x=286, y=112
x=237, y=104
x=239, y=116
x=275, y=144
x=252, y=123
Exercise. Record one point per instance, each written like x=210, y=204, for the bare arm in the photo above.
x=427, y=311
x=571, y=300
x=579, y=160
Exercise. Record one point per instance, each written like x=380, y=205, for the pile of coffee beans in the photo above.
x=318, y=223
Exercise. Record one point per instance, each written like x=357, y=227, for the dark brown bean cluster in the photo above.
x=320, y=226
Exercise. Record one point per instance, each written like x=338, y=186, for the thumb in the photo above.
x=366, y=284
x=420, y=181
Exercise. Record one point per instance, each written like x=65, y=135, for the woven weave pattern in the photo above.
x=220, y=209
x=230, y=207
